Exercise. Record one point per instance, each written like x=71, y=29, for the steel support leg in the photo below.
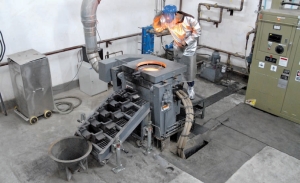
x=149, y=138
x=117, y=147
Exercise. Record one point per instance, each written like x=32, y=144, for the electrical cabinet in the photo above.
x=274, y=81
x=89, y=81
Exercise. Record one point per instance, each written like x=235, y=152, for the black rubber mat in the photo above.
x=234, y=87
x=198, y=129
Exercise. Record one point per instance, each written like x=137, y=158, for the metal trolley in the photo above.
x=31, y=80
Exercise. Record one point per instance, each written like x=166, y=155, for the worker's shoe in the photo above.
x=191, y=92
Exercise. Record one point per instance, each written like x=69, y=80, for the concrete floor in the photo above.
x=24, y=148
x=269, y=165
x=235, y=133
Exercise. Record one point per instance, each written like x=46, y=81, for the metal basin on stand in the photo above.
x=70, y=154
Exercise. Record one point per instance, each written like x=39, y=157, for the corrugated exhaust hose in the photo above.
x=188, y=122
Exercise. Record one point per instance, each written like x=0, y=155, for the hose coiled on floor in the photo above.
x=70, y=105
x=188, y=122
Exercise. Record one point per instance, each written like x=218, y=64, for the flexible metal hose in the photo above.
x=188, y=122
x=70, y=105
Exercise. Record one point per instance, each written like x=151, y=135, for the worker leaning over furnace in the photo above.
x=185, y=30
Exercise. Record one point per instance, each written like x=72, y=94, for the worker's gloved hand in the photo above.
x=183, y=43
x=166, y=31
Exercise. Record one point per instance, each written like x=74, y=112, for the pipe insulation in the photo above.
x=188, y=122
x=89, y=21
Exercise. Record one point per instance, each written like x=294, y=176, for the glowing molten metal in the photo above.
x=151, y=66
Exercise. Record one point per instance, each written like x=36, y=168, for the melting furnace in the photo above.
x=145, y=88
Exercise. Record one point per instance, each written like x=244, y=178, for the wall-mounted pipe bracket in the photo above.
x=231, y=12
x=107, y=43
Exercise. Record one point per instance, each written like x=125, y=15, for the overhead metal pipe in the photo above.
x=256, y=26
x=113, y=53
x=156, y=7
x=290, y=3
x=107, y=41
x=248, y=36
x=180, y=5
x=89, y=20
x=80, y=46
x=222, y=51
x=208, y=6
x=216, y=22
x=3, y=64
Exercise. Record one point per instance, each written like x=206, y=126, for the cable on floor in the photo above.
x=70, y=105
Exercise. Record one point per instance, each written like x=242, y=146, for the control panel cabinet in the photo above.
x=274, y=81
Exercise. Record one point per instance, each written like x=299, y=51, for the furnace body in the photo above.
x=144, y=90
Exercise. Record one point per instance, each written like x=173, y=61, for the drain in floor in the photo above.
x=190, y=151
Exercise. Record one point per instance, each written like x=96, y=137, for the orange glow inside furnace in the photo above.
x=151, y=66
x=151, y=69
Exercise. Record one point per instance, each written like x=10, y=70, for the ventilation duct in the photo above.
x=89, y=20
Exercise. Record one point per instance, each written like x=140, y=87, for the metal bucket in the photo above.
x=70, y=154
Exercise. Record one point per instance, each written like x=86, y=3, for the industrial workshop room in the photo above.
x=150, y=91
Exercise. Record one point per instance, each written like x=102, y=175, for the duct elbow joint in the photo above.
x=94, y=58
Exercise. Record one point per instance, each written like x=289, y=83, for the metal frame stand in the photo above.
x=21, y=115
x=149, y=130
x=82, y=118
x=2, y=104
x=117, y=148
